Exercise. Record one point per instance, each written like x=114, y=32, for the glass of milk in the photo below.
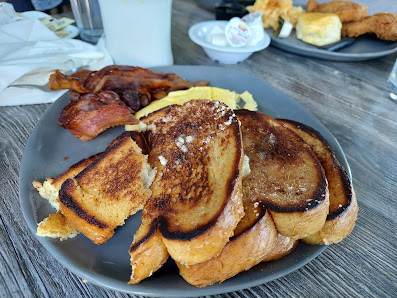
x=138, y=32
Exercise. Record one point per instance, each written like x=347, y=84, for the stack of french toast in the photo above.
x=220, y=191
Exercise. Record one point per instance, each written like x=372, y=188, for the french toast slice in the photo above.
x=103, y=195
x=343, y=206
x=291, y=179
x=196, y=194
x=50, y=187
x=254, y=238
x=56, y=225
x=147, y=252
x=284, y=245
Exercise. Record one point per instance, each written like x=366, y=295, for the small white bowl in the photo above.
x=223, y=54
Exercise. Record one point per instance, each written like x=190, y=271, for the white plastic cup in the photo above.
x=237, y=32
x=254, y=22
x=138, y=32
x=88, y=19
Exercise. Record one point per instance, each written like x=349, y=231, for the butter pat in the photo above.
x=286, y=30
x=216, y=36
x=319, y=28
x=217, y=40
x=55, y=25
x=59, y=27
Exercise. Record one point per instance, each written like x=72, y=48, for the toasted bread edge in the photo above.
x=241, y=253
x=340, y=222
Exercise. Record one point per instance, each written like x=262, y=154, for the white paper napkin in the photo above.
x=7, y=14
x=30, y=52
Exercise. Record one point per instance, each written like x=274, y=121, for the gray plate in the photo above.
x=108, y=265
x=365, y=48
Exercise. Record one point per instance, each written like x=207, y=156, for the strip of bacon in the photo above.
x=87, y=118
x=74, y=81
x=110, y=96
x=118, y=78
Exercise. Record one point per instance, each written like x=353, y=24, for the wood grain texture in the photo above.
x=351, y=100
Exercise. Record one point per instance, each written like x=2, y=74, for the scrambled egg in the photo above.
x=230, y=98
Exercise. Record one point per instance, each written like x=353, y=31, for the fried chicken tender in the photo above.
x=383, y=25
x=346, y=11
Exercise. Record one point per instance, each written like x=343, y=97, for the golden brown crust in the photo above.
x=212, y=240
x=74, y=170
x=343, y=203
x=196, y=195
x=105, y=193
x=311, y=5
x=98, y=231
x=383, y=25
x=241, y=253
x=56, y=226
x=318, y=28
x=147, y=252
x=337, y=229
x=284, y=246
x=273, y=9
x=300, y=224
x=347, y=11
x=290, y=180
x=137, y=137
x=245, y=248
x=49, y=190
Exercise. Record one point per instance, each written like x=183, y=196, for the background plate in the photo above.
x=51, y=150
x=365, y=48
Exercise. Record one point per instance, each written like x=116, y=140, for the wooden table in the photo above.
x=351, y=100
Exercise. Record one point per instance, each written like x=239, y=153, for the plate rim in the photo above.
x=324, y=54
x=210, y=290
